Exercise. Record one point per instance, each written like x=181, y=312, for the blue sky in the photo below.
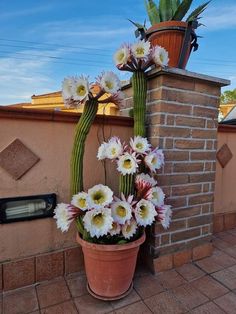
x=43, y=41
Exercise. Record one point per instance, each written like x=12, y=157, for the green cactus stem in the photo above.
x=81, y=132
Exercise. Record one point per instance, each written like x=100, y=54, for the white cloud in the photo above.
x=216, y=18
x=24, y=12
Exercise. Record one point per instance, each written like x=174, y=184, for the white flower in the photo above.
x=141, y=49
x=127, y=164
x=143, y=179
x=80, y=89
x=110, y=82
x=145, y=213
x=67, y=84
x=64, y=216
x=164, y=215
x=102, y=151
x=121, y=56
x=98, y=222
x=129, y=229
x=114, y=148
x=160, y=56
x=121, y=211
x=140, y=144
x=157, y=196
x=116, y=229
x=100, y=196
x=154, y=160
x=80, y=200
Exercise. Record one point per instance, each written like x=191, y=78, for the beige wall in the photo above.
x=225, y=190
x=52, y=142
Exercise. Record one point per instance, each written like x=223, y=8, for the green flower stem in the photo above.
x=81, y=132
x=139, y=83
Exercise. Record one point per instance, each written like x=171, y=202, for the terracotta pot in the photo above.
x=170, y=35
x=110, y=268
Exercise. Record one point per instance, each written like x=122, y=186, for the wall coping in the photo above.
x=59, y=116
x=183, y=74
x=227, y=128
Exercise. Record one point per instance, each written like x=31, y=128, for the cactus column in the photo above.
x=81, y=132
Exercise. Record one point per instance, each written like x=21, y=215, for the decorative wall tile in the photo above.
x=224, y=155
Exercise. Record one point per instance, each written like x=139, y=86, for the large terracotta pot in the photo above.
x=110, y=268
x=170, y=35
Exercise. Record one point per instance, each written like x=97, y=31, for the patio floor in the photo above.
x=205, y=286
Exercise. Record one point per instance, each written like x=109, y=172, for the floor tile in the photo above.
x=131, y=298
x=52, y=293
x=170, y=279
x=190, y=272
x=230, y=251
x=147, y=286
x=218, y=243
x=209, y=264
x=227, y=237
x=86, y=304
x=20, y=301
x=165, y=302
x=67, y=307
x=226, y=277
x=227, y=302
x=77, y=285
x=137, y=308
x=210, y=287
x=189, y=296
x=208, y=308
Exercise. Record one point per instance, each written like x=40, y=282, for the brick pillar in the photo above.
x=182, y=110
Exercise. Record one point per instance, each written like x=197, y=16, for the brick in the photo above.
x=74, y=261
x=169, y=143
x=49, y=266
x=156, y=119
x=205, y=208
x=189, y=144
x=172, y=179
x=229, y=221
x=210, y=145
x=170, y=120
x=186, y=190
x=191, y=122
x=168, y=168
x=154, y=83
x=175, y=225
x=176, y=155
x=165, y=239
x=204, y=177
x=201, y=199
x=156, y=142
x=204, y=134
x=206, y=187
x=188, y=167
x=184, y=235
x=207, y=230
x=168, y=131
x=202, y=251
x=155, y=95
x=182, y=257
x=207, y=88
x=186, y=212
x=207, y=166
x=18, y=274
x=184, y=84
x=163, y=263
x=203, y=155
x=177, y=202
x=205, y=112
x=168, y=107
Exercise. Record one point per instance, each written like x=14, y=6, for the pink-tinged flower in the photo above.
x=154, y=160
x=157, y=196
x=143, y=187
x=164, y=215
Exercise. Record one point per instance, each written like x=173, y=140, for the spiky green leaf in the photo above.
x=197, y=12
x=152, y=11
x=182, y=10
x=174, y=6
x=165, y=10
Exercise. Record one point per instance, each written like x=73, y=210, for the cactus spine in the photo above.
x=81, y=132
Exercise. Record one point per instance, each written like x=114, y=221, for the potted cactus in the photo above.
x=169, y=30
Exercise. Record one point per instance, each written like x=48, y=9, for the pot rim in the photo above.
x=175, y=25
x=110, y=247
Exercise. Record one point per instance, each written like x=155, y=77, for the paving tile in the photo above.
x=170, y=279
x=224, y=259
x=0, y=303
x=190, y=272
x=131, y=298
x=52, y=293
x=86, y=304
x=208, y=308
x=230, y=251
x=209, y=264
x=210, y=287
x=77, y=285
x=220, y=243
x=165, y=302
x=137, y=308
x=226, y=277
x=227, y=237
x=20, y=301
x=189, y=296
x=62, y=308
x=227, y=302
x=147, y=286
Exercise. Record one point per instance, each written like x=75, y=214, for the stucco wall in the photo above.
x=225, y=189
x=51, y=141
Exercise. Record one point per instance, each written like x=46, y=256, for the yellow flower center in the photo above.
x=82, y=202
x=121, y=211
x=98, y=220
x=139, y=145
x=128, y=228
x=155, y=195
x=98, y=197
x=121, y=56
x=143, y=211
x=113, y=151
x=153, y=160
x=140, y=51
x=161, y=57
x=109, y=84
x=127, y=164
x=81, y=90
